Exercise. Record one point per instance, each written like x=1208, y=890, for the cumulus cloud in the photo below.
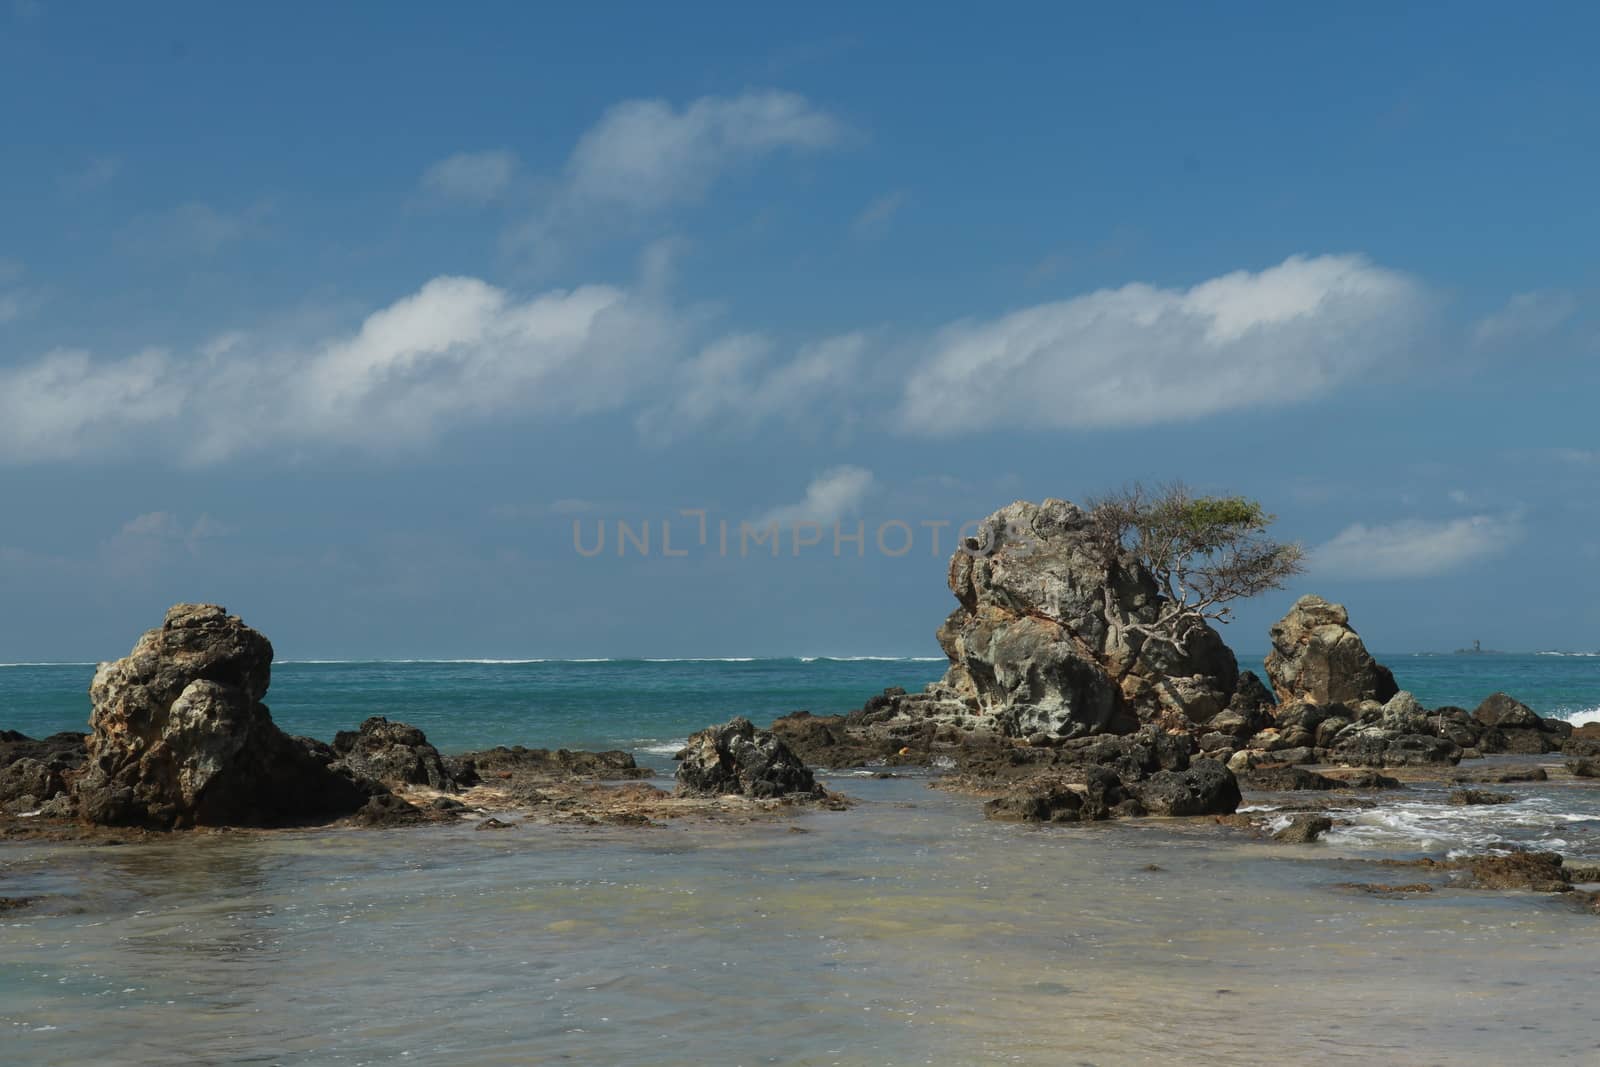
x=457, y=349
x=476, y=177
x=1142, y=354
x=1526, y=317
x=646, y=155
x=830, y=497
x=737, y=381
x=1415, y=548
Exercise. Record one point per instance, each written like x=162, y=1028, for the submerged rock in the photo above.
x=735, y=757
x=1318, y=658
x=179, y=735
x=1304, y=829
x=1466, y=797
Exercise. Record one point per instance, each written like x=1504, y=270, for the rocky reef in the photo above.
x=1052, y=655
x=179, y=737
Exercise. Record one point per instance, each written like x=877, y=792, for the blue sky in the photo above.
x=343, y=316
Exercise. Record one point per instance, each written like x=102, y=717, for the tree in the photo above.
x=1204, y=552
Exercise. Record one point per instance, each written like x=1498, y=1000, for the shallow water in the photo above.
x=906, y=930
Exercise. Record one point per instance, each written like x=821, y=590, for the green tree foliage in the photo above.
x=1204, y=552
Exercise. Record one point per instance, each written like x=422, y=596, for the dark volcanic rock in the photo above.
x=1504, y=711
x=1540, y=872
x=1371, y=780
x=1479, y=796
x=517, y=761
x=1095, y=794
x=393, y=753
x=1501, y=775
x=1317, y=657
x=1375, y=747
x=737, y=758
x=1304, y=829
x=1206, y=788
x=387, y=810
x=179, y=735
x=1584, y=768
x=1285, y=779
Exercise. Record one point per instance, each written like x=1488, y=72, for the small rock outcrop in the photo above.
x=393, y=753
x=179, y=735
x=736, y=758
x=1318, y=658
x=35, y=775
x=517, y=761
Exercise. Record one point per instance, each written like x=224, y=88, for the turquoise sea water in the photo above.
x=648, y=705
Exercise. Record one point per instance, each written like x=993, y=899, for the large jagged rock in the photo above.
x=180, y=737
x=1317, y=658
x=737, y=758
x=1046, y=642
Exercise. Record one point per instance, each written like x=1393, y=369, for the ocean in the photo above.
x=650, y=706
x=906, y=930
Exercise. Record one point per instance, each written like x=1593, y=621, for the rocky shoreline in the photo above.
x=1060, y=705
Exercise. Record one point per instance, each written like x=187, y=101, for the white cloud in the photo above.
x=735, y=381
x=67, y=404
x=646, y=155
x=1141, y=354
x=457, y=349
x=1415, y=548
x=477, y=177
x=829, y=498
x=1526, y=317
x=875, y=218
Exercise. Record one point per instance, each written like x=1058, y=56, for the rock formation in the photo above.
x=737, y=758
x=395, y=754
x=180, y=737
x=1317, y=658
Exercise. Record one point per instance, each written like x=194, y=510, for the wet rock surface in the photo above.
x=1304, y=829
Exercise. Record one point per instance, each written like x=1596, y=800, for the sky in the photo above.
x=371, y=321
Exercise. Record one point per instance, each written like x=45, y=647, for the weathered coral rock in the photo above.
x=1316, y=657
x=180, y=737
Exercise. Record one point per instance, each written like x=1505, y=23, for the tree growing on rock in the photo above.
x=1204, y=552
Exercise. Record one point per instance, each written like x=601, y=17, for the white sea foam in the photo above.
x=48, y=664
x=1429, y=827
x=665, y=748
x=1581, y=718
